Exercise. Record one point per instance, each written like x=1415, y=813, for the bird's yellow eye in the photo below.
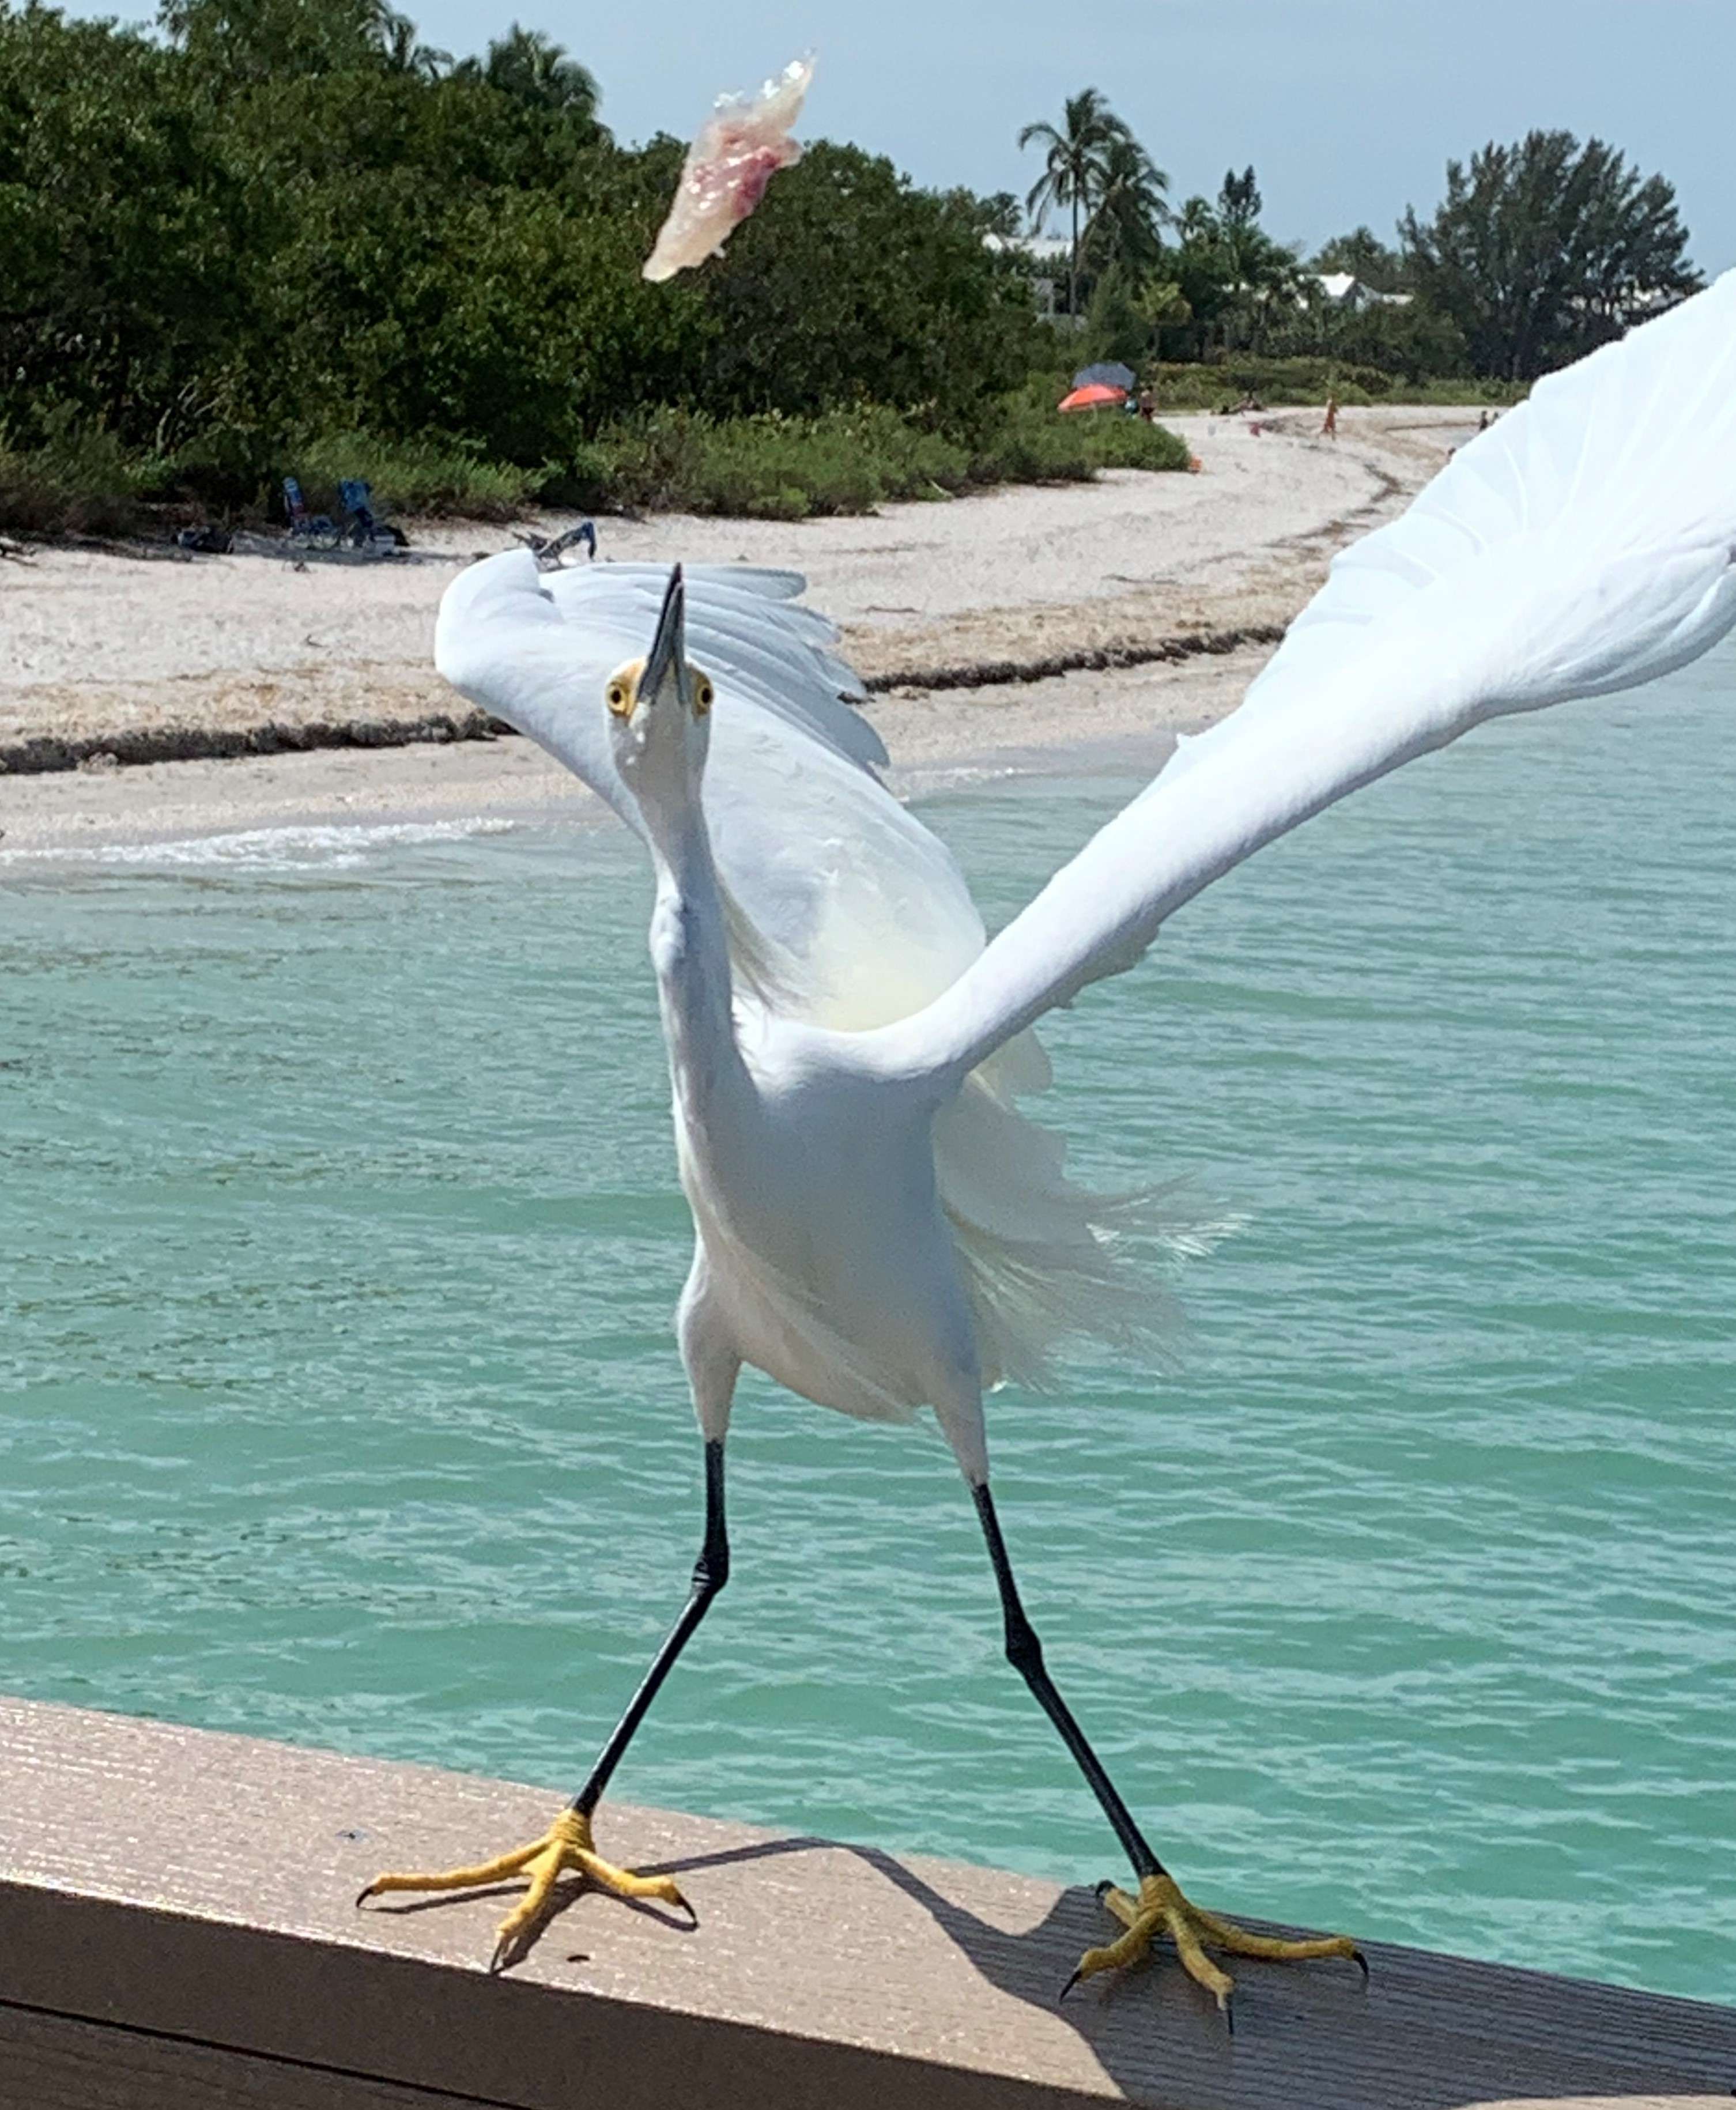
x=620, y=700
x=703, y=694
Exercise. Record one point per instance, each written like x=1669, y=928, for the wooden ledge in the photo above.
x=176, y=1933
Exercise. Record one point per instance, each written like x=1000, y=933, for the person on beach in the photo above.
x=1147, y=406
x=1328, y=430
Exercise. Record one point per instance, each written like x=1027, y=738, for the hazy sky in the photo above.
x=1347, y=108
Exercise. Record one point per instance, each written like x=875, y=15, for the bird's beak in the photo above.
x=666, y=663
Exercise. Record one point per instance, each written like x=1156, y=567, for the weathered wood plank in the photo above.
x=49, y=2062
x=199, y=1887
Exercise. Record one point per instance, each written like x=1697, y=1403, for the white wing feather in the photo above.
x=1585, y=543
x=868, y=912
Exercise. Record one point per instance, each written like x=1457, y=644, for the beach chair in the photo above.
x=549, y=550
x=362, y=526
x=314, y=531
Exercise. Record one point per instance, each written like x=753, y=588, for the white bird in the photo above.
x=877, y=1226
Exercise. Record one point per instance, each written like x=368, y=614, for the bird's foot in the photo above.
x=564, y=1849
x=1160, y=1908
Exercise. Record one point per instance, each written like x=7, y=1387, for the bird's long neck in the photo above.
x=689, y=950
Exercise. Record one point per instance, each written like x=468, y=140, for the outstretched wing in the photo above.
x=1585, y=543
x=869, y=915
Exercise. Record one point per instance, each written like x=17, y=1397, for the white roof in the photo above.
x=1344, y=285
x=1045, y=248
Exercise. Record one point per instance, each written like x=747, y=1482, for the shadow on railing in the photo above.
x=212, y=1929
x=1573, y=2037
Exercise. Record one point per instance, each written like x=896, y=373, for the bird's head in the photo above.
x=659, y=708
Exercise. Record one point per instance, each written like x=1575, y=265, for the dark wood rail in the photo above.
x=176, y=1933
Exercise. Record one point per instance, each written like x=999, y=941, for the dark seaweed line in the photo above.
x=130, y=750
x=212, y=743
x=1000, y=673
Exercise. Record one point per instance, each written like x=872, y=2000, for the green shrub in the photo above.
x=226, y=468
x=432, y=477
x=770, y=467
x=778, y=468
x=789, y=503
x=79, y=480
x=1028, y=443
x=1212, y=384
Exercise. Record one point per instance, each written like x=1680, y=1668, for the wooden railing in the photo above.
x=177, y=1933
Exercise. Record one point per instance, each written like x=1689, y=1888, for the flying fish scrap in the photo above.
x=740, y=146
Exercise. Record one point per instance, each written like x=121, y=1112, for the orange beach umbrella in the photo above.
x=1095, y=395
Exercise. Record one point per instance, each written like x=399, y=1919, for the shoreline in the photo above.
x=1027, y=628
x=1125, y=718
x=46, y=754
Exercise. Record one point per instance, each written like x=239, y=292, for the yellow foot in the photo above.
x=565, y=1848
x=1161, y=1908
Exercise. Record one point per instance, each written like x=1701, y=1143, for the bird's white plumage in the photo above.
x=1586, y=542
x=879, y=1226
x=867, y=914
x=870, y=914
x=1631, y=452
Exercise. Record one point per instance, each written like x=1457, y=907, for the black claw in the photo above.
x=1104, y=1888
x=363, y=1894
x=498, y=1961
x=1228, y=2004
x=1362, y=1964
x=1068, y=1987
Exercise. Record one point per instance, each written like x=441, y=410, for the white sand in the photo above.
x=96, y=642
x=959, y=736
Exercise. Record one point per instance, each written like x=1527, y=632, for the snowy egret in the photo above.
x=879, y=1226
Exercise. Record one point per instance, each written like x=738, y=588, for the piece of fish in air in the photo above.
x=740, y=146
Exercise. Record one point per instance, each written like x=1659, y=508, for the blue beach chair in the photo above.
x=362, y=525
x=313, y=531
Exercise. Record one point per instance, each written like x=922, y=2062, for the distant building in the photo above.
x=1047, y=255
x=1344, y=289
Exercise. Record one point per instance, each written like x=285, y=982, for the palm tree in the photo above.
x=1197, y=222
x=1265, y=277
x=396, y=35
x=533, y=68
x=1131, y=211
x=1163, y=305
x=1074, y=165
x=1273, y=282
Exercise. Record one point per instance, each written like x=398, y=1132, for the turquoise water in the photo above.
x=339, y=1235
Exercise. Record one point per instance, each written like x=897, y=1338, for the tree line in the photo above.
x=266, y=221
x=1539, y=253
x=276, y=214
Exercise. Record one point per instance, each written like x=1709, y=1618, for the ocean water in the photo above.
x=338, y=1238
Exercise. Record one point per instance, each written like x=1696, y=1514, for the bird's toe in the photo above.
x=566, y=1848
x=1160, y=1908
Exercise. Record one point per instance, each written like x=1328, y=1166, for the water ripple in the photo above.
x=338, y=1238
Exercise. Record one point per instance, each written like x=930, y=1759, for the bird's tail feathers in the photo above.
x=1045, y=1261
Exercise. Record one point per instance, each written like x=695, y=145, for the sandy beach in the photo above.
x=99, y=644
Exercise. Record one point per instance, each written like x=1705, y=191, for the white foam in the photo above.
x=918, y=780
x=311, y=849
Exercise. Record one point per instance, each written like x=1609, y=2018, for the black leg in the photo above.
x=710, y=1572
x=1025, y=1653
